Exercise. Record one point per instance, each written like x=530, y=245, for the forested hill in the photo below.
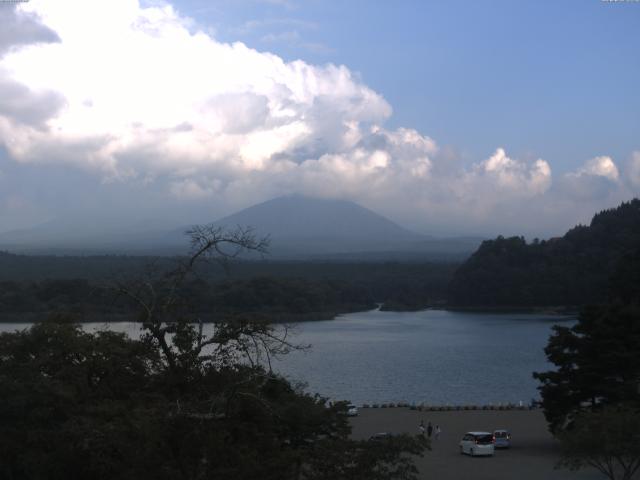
x=35, y=287
x=569, y=271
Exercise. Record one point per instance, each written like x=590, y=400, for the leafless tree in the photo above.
x=158, y=296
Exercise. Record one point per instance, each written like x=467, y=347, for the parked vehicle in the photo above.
x=502, y=438
x=352, y=410
x=380, y=436
x=477, y=443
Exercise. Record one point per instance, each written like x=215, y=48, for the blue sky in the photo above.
x=555, y=79
x=457, y=117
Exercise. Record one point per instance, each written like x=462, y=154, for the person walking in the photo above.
x=429, y=430
x=421, y=427
x=438, y=432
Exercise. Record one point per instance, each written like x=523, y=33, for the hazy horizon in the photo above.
x=83, y=225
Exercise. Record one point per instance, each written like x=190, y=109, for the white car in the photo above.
x=477, y=443
x=352, y=410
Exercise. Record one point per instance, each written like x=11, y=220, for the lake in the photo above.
x=432, y=356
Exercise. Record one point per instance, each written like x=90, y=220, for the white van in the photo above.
x=477, y=443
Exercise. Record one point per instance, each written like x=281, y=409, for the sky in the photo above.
x=451, y=118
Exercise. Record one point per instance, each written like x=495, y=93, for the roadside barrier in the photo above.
x=422, y=407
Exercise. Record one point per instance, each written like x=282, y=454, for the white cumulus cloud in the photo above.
x=139, y=91
x=601, y=167
x=516, y=175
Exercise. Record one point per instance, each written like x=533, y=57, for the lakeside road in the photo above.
x=533, y=454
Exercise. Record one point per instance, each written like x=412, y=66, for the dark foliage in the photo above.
x=279, y=291
x=101, y=406
x=598, y=363
x=598, y=359
x=572, y=270
x=277, y=299
x=607, y=440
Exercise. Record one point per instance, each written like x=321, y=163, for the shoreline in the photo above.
x=283, y=318
x=498, y=406
x=568, y=310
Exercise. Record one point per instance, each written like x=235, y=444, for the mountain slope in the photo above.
x=325, y=229
x=299, y=225
x=304, y=227
x=571, y=270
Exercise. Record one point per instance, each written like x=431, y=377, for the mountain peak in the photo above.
x=301, y=217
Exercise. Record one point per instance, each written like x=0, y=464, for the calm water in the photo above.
x=433, y=356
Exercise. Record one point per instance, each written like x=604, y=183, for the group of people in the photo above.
x=429, y=430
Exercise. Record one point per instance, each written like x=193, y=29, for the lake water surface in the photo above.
x=433, y=356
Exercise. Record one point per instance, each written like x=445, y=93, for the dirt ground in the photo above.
x=532, y=456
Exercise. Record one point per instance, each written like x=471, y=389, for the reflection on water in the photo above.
x=433, y=356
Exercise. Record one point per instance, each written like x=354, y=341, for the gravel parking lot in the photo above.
x=532, y=456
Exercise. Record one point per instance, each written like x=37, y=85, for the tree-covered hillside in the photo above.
x=277, y=291
x=571, y=270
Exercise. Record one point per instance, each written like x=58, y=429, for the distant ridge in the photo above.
x=314, y=228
